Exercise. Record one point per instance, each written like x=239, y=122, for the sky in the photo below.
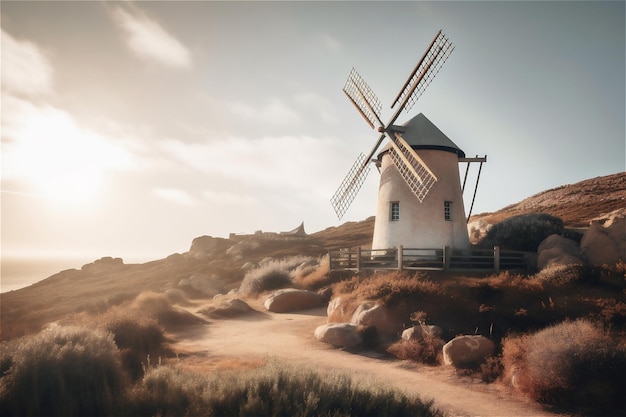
x=130, y=128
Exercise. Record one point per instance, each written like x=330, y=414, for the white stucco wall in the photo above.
x=421, y=225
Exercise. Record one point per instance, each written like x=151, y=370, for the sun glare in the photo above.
x=62, y=162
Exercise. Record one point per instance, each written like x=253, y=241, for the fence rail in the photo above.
x=441, y=259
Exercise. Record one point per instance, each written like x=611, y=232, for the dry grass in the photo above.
x=575, y=363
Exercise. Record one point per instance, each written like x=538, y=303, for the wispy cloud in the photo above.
x=149, y=40
x=175, y=195
x=275, y=112
x=320, y=105
x=25, y=68
x=330, y=43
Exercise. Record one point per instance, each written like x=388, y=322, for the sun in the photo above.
x=61, y=161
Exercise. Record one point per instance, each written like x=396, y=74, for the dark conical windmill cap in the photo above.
x=421, y=133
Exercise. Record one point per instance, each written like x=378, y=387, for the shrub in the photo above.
x=137, y=339
x=61, y=371
x=427, y=350
x=271, y=275
x=316, y=277
x=274, y=389
x=524, y=232
x=574, y=363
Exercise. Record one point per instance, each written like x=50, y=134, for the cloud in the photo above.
x=331, y=43
x=175, y=195
x=274, y=112
x=149, y=40
x=319, y=104
x=25, y=68
x=271, y=162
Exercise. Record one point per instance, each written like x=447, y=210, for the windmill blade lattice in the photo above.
x=363, y=98
x=412, y=169
x=350, y=186
x=426, y=69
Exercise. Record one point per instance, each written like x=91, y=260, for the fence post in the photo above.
x=446, y=258
x=358, y=259
x=496, y=258
x=400, y=257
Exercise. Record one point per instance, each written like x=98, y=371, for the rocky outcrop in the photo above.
x=207, y=246
x=291, y=299
x=557, y=250
x=465, y=351
x=104, y=264
x=343, y=335
x=605, y=243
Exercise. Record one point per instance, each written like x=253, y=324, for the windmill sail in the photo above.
x=363, y=98
x=350, y=186
x=424, y=72
x=412, y=169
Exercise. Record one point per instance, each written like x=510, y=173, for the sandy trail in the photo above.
x=289, y=338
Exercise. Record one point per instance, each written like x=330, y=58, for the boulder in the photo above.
x=605, y=244
x=419, y=332
x=371, y=314
x=464, y=351
x=206, y=285
x=344, y=335
x=556, y=250
x=291, y=299
x=227, y=307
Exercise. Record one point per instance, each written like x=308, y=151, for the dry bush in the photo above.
x=137, y=338
x=159, y=307
x=427, y=350
x=591, y=276
x=272, y=275
x=274, y=389
x=572, y=364
x=523, y=232
x=61, y=371
x=388, y=288
x=315, y=277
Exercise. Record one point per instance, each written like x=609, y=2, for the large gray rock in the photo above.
x=556, y=250
x=371, y=314
x=291, y=299
x=463, y=351
x=605, y=244
x=344, y=335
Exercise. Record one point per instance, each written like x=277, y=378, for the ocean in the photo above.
x=22, y=271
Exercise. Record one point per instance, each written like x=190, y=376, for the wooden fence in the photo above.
x=439, y=259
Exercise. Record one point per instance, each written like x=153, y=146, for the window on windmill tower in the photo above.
x=447, y=210
x=394, y=211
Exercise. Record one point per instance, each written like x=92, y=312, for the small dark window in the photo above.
x=395, y=211
x=447, y=210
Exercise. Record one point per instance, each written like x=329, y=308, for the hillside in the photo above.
x=576, y=204
x=107, y=282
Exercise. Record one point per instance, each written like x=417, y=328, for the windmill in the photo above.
x=420, y=198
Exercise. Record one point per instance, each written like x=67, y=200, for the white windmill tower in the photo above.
x=420, y=198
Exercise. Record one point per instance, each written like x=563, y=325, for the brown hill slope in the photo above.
x=576, y=204
x=97, y=287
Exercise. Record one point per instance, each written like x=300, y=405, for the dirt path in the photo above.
x=289, y=338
